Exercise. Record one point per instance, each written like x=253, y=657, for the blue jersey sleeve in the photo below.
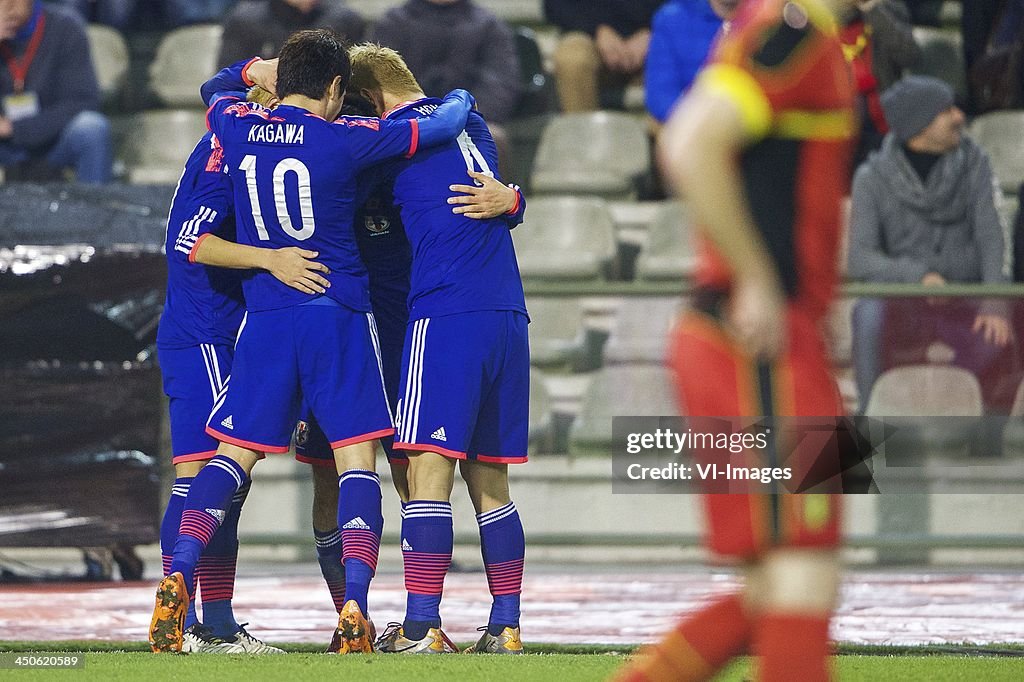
x=232, y=79
x=372, y=140
x=447, y=121
x=204, y=208
x=514, y=218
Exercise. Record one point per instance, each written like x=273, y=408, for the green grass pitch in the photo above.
x=130, y=661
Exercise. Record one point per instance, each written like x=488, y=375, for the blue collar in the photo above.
x=26, y=31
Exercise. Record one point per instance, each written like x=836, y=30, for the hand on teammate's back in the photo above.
x=293, y=266
x=487, y=198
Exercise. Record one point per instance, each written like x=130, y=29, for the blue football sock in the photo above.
x=205, y=509
x=503, y=546
x=427, y=541
x=169, y=533
x=361, y=523
x=217, y=568
x=328, y=554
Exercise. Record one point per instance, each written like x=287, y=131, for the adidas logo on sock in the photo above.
x=357, y=522
x=217, y=514
x=439, y=435
x=406, y=547
x=227, y=423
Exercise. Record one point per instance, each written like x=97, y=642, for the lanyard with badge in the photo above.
x=21, y=105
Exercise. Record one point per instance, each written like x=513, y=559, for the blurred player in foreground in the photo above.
x=760, y=149
x=292, y=345
x=465, y=369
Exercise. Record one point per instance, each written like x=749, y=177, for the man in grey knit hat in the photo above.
x=924, y=211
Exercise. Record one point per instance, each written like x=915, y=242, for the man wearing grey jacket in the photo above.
x=923, y=211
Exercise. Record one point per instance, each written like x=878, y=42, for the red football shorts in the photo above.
x=715, y=379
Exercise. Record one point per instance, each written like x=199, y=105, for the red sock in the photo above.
x=792, y=647
x=698, y=647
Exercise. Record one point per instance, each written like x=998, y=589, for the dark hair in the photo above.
x=357, y=105
x=310, y=61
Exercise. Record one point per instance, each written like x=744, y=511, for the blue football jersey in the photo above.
x=459, y=264
x=294, y=179
x=203, y=304
x=385, y=251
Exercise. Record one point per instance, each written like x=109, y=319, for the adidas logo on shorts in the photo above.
x=406, y=547
x=227, y=423
x=217, y=514
x=439, y=435
x=356, y=523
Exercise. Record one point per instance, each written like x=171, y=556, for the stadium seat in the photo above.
x=185, y=59
x=157, y=143
x=1013, y=433
x=109, y=59
x=535, y=87
x=935, y=410
x=566, y=238
x=942, y=56
x=542, y=419
x=619, y=391
x=641, y=330
x=1001, y=135
x=669, y=253
x=556, y=331
x=603, y=153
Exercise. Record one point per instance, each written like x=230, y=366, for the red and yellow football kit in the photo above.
x=783, y=66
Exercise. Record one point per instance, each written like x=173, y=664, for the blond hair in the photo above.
x=261, y=96
x=378, y=68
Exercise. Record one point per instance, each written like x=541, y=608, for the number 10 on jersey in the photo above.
x=305, y=198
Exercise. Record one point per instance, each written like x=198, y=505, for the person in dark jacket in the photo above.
x=49, y=93
x=260, y=27
x=602, y=41
x=456, y=43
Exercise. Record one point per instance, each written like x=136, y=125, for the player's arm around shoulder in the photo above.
x=290, y=265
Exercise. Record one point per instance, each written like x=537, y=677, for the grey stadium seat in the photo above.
x=669, y=253
x=565, y=238
x=185, y=59
x=1013, y=433
x=542, y=418
x=641, y=330
x=109, y=59
x=157, y=143
x=620, y=391
x=942, y=56
x=603, y=153
x=1001, y=135
x=556, y=331
x=933, y=391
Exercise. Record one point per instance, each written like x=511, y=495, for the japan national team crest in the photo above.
x=301, y=433
x=377, y=224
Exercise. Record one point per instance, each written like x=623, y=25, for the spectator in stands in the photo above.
x=681, y=37
x=260, y=27
x=456, y=44
x=185, y=12
x=114, y=13
x=879, y=44
x=924, y=211
x=603, y=44
x=993, y=38
x=49, y=93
